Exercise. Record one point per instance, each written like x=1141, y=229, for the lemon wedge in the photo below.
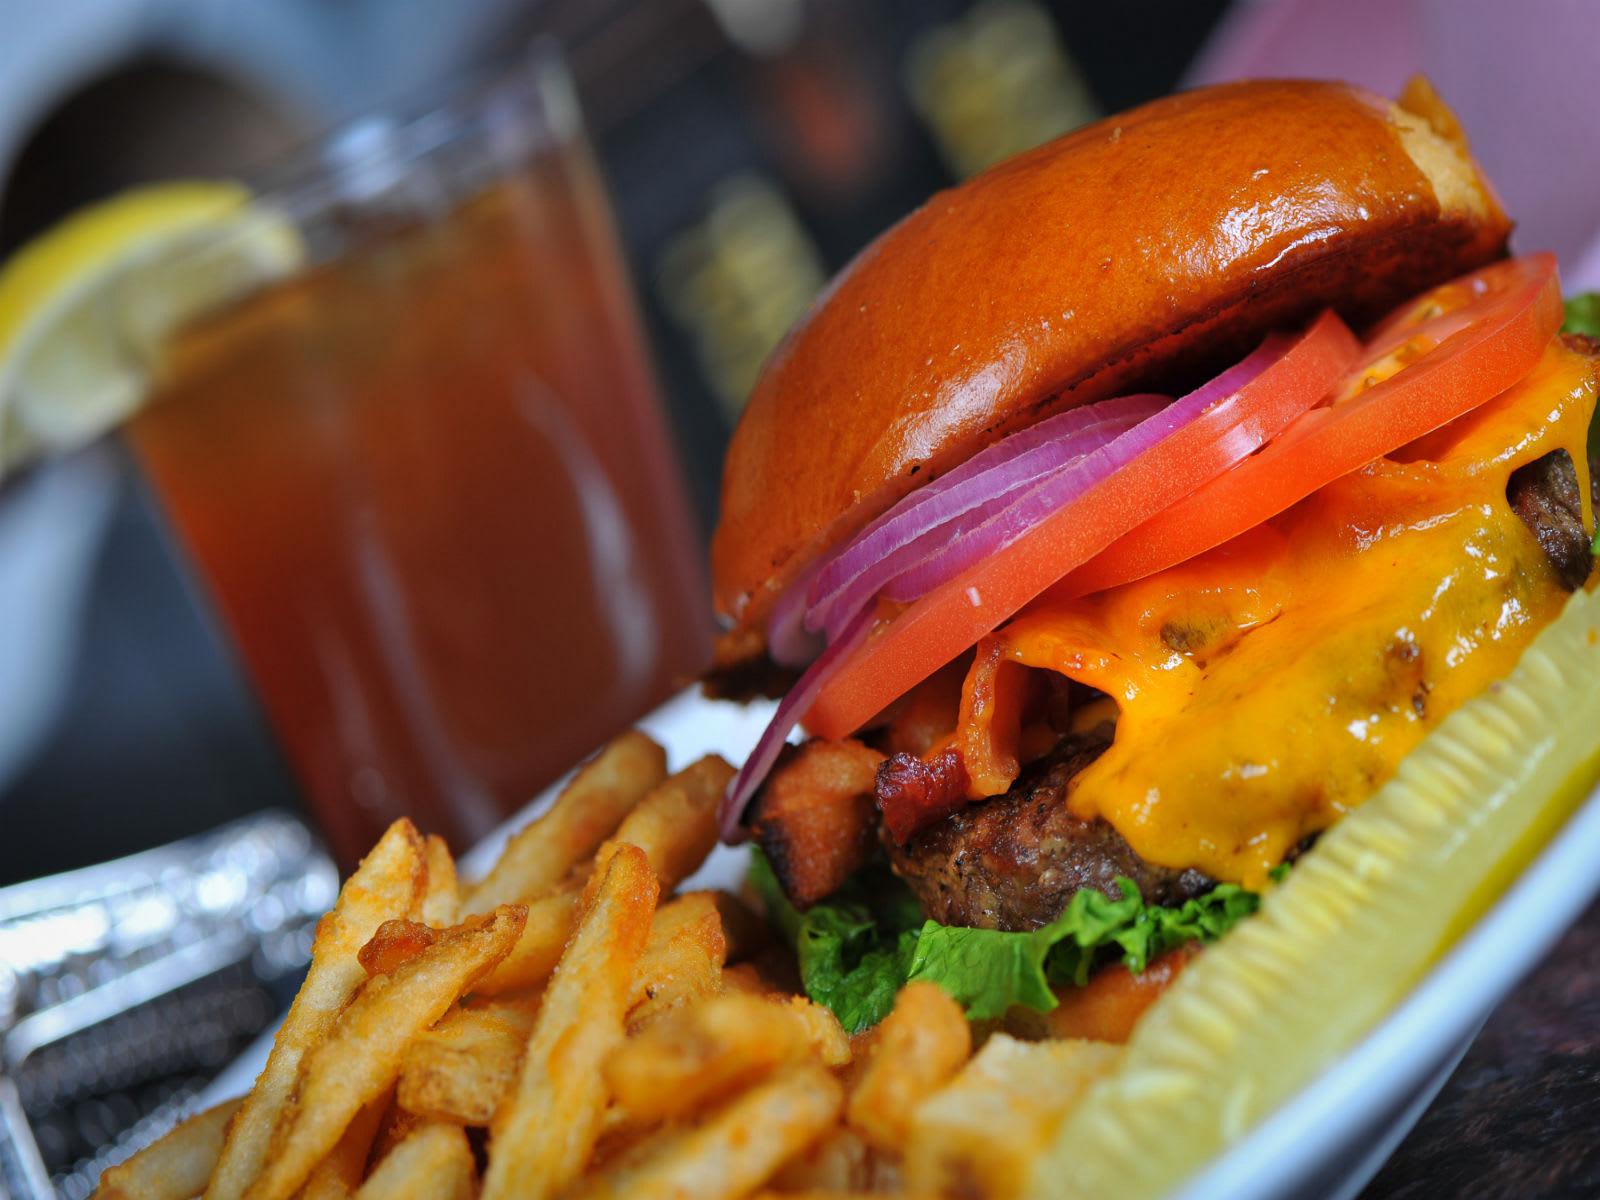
x=85, y=307
x=1357, y=923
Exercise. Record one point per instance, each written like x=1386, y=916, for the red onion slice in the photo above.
x=788, y=641
x=916, y=531
x=1009, y=463
x=996, y=526
x=992, y=527
x=790, y=709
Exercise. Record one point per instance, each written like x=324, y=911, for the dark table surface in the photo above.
x=1520, y=1118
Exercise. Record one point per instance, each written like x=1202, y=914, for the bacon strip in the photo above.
x=913, y=793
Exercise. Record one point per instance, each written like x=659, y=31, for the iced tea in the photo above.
x=429, y=487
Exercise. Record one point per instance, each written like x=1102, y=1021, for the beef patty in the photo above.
x=1545, y=494
x=1014, y=861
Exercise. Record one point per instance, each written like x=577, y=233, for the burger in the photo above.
x=1119, y=523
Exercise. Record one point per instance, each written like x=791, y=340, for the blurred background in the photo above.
x=657, y=195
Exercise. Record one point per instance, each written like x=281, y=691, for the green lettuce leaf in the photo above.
x=1583, y=314
x=860, y=946
x=985, y=971
x=853, y=949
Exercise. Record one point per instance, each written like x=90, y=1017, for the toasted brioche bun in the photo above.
x=1136, y=252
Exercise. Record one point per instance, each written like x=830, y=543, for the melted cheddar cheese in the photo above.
x=1269, y=686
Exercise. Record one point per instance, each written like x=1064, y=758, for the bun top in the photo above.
x=1137, y=251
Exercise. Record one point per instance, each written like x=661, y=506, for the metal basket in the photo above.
x=124, y=987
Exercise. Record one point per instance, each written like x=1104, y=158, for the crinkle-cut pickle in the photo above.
x=1357, y=923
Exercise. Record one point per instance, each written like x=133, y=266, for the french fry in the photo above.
x=394, y=1127
x=362, y=1057
x=441, y=900
x=338, y=1175
x=462, y=1068
x=695, y=1055
x=175, y=1166
x=623, y=1146
x=434, y=1163
x=735, y=1151
x=549, y=925
x=701, y=1053
x=544, y=1134
x=694, y=913
x=826, y=1037
x=919, y=1046
x=839, y=1161
x=675, y=826
x=982, y=1133
x=385, y=886
x=682, y=959
x=394, y=944
x=588, y=810
x=745, y=977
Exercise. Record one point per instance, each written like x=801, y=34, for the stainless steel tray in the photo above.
x=126, y=986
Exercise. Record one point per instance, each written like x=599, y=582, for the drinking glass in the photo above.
x=426, y=479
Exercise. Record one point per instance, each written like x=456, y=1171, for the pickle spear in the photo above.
x=1358, y=922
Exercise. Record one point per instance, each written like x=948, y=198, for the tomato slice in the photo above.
x=1434, y=359
x=1456, y=304
x=901, y=652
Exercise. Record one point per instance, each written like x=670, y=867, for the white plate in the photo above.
x=1331, y=1138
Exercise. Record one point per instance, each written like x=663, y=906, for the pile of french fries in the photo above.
x=569, y=1027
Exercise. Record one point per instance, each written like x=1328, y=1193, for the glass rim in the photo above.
x=503, y=111
x=400, y=167
x=415, y=160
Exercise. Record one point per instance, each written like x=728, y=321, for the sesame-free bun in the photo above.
x=1136, y=252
